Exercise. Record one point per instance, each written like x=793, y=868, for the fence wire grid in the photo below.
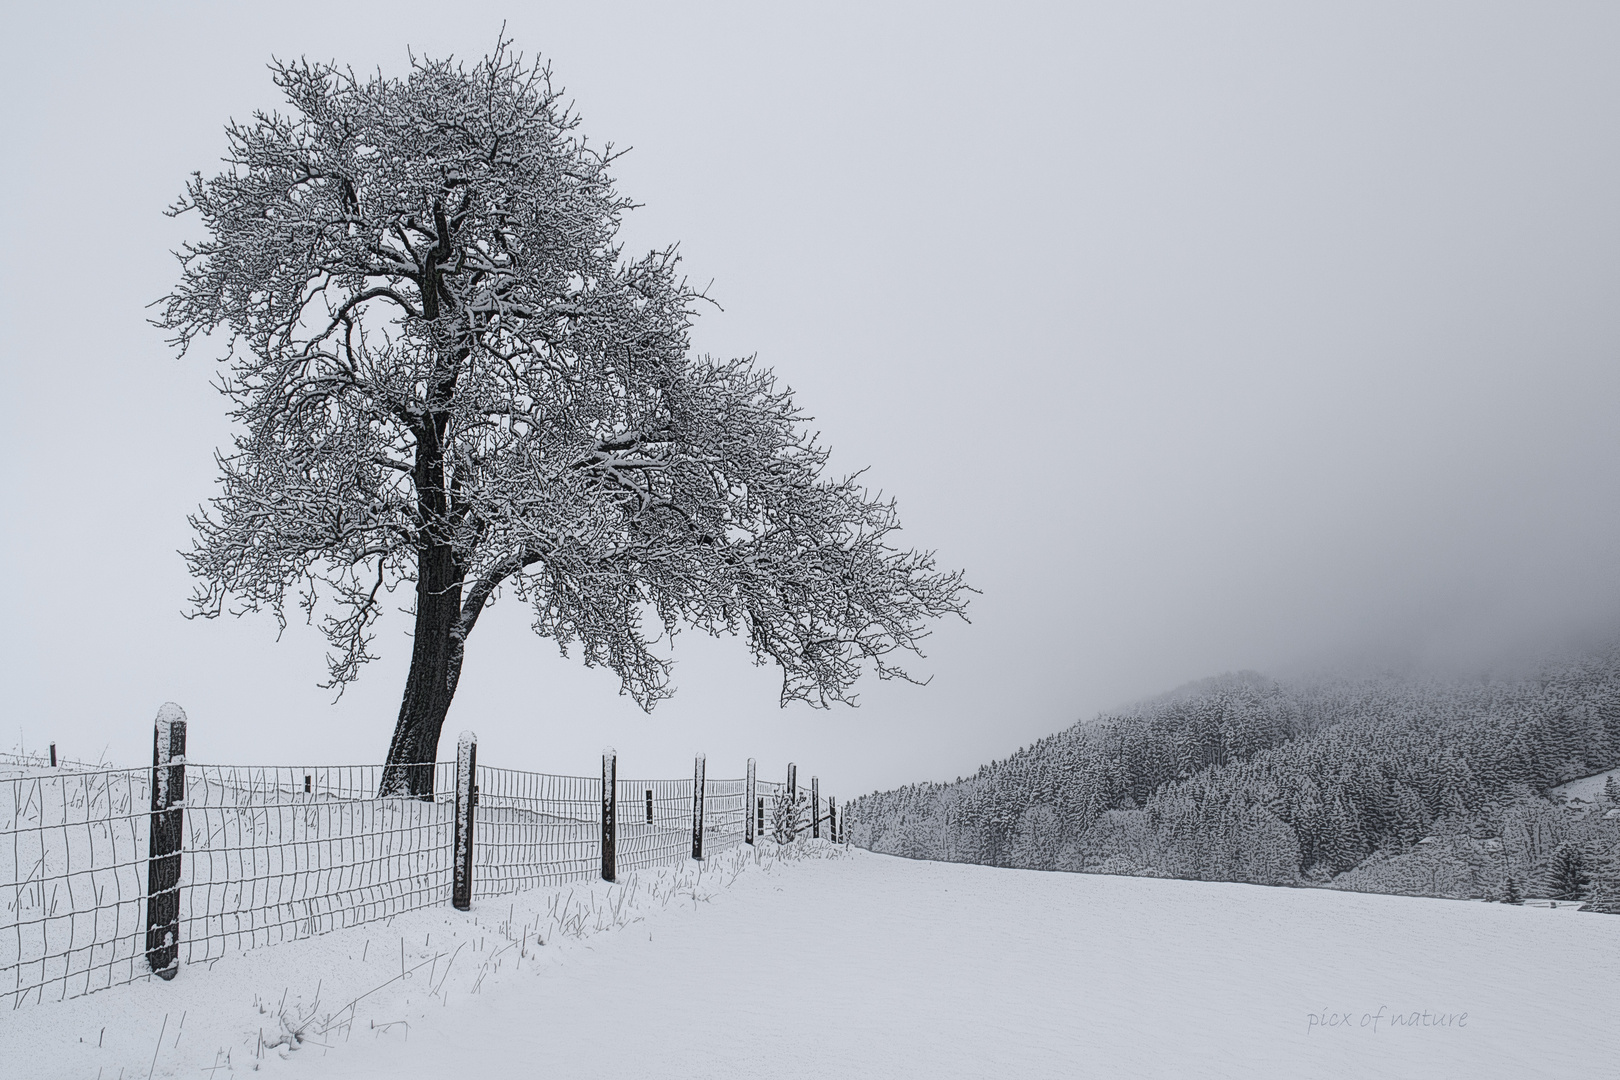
x=272, y=854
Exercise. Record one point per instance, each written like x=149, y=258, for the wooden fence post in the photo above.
x=815, y=808
x=748, y=806
x=649, y=806
x=610, y=810
x=759, y=827
x=793, y=797
x=466, y=800
x=698, y=769
x=53, y=755
x=832, y=819
x=166, y=839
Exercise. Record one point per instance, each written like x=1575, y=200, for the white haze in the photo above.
x=1205, y=337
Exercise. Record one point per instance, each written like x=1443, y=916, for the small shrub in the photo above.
x=788, y=816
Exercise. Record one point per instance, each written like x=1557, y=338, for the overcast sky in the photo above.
x=1202, y=336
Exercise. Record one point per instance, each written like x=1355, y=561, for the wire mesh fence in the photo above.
x=278, y=853
x=784, y=812
x=73, y=864
x=766, y=795
x=535, y=829
x=725, y=812
x=655, y=822
x=40, y=759
x=271, y=854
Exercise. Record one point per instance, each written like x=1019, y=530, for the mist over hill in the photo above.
x=1401, y=783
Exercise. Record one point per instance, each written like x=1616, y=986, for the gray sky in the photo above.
x=1203, y=336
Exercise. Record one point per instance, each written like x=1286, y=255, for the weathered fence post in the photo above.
x=815, y=808
x=698, y=769
x=165, y=841
x=610, y=810
x=748, y=806
x=53, y=755
x=466, y=799
x=759, y=828
x=832, y=819
x=793, y=797
x=649, y=806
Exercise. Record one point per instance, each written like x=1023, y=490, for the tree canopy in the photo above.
x=445, y=371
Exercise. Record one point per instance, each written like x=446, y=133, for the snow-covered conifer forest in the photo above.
x=1379, y=783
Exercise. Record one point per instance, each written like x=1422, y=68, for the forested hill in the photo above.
x=1379, y=783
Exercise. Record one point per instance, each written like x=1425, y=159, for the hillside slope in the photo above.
x=1245, y=779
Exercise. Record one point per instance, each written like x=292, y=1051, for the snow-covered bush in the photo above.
x=789, y=815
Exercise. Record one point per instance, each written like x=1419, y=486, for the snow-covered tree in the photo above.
x=1566, y=873
x=445, y=373
x=789, y=815
x=1605, y=886
x=1511, y=892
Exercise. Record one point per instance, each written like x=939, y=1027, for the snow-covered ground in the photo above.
x=1585, y=789
x=857, y=965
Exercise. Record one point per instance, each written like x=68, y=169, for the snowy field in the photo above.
x=1586, y=789
x=847, y=964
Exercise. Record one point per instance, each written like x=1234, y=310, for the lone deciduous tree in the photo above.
x=445, y=372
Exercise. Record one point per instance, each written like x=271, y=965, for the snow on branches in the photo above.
x=444, y=371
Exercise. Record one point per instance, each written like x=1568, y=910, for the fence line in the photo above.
x=42, y=760
x=272, y=854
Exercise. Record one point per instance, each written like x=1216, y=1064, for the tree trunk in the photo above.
x=436, y=656
x=439, y=639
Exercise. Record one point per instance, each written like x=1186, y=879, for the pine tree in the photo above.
x=1346, y=843
x=1566, y=873
x=1611, y=789
x=1605, y=887
x=1411, y=817
x=1511, y=892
